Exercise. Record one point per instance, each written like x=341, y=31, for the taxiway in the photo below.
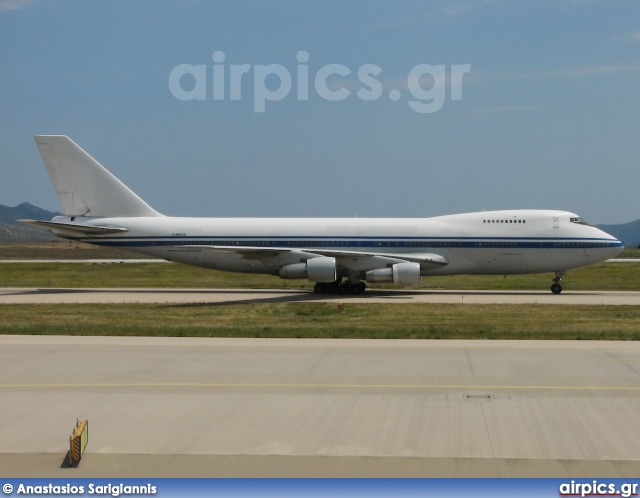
x=163, y=407
x=127, y=295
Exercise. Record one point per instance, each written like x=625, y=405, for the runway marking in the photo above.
x=343, y=386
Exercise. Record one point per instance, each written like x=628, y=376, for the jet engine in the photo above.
x=321, y=269
x=401, y=274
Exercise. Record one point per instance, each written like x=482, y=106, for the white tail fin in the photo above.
x=83, y=185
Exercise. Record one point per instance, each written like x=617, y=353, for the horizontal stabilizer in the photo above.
x=75, y=230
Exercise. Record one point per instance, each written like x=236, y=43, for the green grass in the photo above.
x=326, y=320
x=319, y=320
x=606, y=276
x=62, y=249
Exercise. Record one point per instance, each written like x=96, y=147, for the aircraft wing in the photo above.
x=356, y=260
x=74, y=229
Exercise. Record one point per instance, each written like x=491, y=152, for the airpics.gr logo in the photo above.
x=595, y=488
x=426, y=83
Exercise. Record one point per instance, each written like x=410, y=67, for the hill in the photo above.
x=13, y=231
x=10, y=215
x=629, y=233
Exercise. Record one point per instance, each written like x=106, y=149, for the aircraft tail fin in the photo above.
x=83, y=185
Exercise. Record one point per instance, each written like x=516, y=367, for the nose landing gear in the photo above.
x=556, y=287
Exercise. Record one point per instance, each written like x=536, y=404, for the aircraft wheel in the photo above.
x=358, y=288
x=556, y=288
x=319, y=288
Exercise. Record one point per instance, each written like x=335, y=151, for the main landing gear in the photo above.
x=556, y=287
x=340, y=287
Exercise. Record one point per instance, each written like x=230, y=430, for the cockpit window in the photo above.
x=579, y=221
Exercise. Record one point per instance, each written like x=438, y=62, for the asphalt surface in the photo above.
x=171, y=407
x=127, y=295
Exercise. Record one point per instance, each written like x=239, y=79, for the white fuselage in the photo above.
x=100, y=209
x=491, y=243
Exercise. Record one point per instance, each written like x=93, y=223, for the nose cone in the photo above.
x=613, y=246
x=615, y=251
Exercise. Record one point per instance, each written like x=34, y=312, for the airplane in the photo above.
x=340, y=255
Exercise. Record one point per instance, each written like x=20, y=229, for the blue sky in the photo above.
x=548, y=115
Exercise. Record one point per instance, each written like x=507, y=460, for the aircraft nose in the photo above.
x=615, y=245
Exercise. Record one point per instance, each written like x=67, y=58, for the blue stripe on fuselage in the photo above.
x=361, y=242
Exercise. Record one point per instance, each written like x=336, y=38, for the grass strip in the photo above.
x=326, y=320
x=605, y=276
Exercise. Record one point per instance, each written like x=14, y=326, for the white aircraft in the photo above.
x=339, y=254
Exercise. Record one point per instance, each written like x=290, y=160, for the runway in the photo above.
x=165, y=407
x=121, y=295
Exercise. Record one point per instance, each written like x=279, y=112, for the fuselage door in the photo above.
x=556, y=222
